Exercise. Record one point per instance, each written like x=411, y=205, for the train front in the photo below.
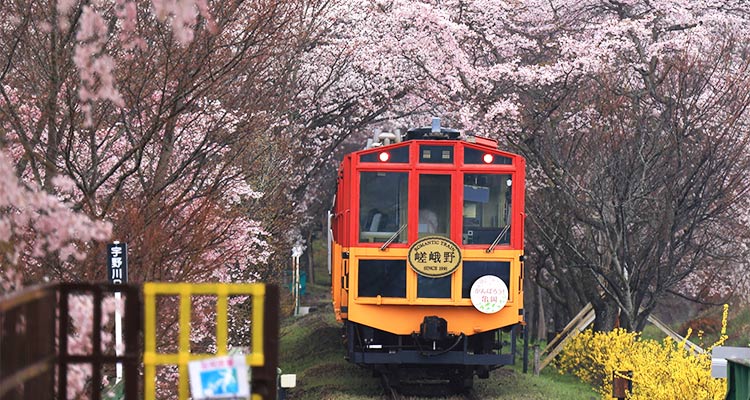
x=427, y=255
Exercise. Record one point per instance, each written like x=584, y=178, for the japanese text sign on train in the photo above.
x=489, y=294
x=117, y=262
x=434, y=256
x=219, y=378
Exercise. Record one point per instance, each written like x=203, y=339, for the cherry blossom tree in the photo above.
x=153, y=116
x=152, y=125
x=599, y=95
x=202, y=133
x=643, y=156
x=37, y=222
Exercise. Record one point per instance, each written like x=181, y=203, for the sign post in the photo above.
x=117, y=272
x=297, y=251
x=225, y=377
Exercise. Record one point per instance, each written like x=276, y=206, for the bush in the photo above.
x=661, y=370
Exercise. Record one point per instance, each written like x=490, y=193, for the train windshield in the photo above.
x=383, y=201
x=487, y=208
x=434, y=220
x=434, y=205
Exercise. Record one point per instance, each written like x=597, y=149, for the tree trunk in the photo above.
x=541, y=318
x=310, y=259
x=606, y=315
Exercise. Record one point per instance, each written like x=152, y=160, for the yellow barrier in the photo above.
x=221, y=290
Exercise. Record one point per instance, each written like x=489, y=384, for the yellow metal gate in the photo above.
x=258, y=359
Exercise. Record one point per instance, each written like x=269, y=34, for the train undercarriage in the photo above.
x=431, y=354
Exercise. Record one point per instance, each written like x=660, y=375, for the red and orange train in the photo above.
x=426, y=245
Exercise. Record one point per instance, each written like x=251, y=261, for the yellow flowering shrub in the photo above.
x=661, y=370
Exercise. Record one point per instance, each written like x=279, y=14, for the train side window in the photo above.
x=487, y=208
x=386, y=278
x=383, y=200
x=434, y=205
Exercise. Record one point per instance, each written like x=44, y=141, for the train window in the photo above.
x=487, y=208
x=386, y=278
x=387, y=155
x=473, y=270
x=434, y=288
x=383, y=199
x=434, y=205
x=436, y=154
x=474, y=156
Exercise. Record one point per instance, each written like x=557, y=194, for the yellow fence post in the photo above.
x=222, y=291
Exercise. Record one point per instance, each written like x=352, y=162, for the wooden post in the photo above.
x=536, y=360
x=264, y=377
x=622, y=383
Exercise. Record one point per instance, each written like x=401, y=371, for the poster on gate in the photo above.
x=224, y=377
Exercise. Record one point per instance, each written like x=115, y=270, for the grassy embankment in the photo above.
x=311, y=347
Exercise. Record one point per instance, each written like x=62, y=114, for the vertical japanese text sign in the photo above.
x=117, y=262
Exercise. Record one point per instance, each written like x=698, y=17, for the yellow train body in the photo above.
x=403, y=316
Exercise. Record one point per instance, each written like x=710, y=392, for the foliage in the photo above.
x=156, y=133
x=37, y=222
x=599, y=96
x=162, y=133
x=661, y=370
x=209, y=145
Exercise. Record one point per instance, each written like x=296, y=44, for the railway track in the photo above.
x=428, y=390
x=470, y=395
x=390, y=391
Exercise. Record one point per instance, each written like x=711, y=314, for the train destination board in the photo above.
x=434, y=256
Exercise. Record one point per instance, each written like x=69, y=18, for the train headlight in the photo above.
x=488, y=158
x=384, y=156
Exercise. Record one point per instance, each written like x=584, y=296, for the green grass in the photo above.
x=311, y=347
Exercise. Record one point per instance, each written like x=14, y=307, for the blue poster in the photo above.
x=219, y=382
x=220, y=378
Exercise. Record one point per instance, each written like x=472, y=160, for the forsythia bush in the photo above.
x=661, y=370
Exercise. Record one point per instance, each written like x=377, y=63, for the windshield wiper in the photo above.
x=392, y=238
x=497, y=239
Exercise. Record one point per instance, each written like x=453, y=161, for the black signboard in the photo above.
x=117, y=262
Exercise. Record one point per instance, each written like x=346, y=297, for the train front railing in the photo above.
x=35, y=327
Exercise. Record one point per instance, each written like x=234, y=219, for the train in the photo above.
x=425, y=240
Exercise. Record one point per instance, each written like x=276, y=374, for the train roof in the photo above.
x=429, y=133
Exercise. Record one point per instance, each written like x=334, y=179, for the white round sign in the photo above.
x=489, y=294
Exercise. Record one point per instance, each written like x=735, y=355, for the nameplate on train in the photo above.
x=434, y=256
